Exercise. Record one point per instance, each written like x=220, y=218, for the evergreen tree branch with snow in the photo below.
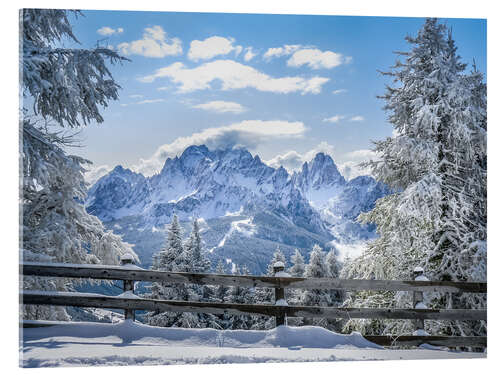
x=68, y=85
x=436, y=163
x=67, y=88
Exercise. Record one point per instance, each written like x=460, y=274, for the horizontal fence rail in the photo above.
x=129, y=274
x=123, y=273
x=450, y=341
x=112, y=302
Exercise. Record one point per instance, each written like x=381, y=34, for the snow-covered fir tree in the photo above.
x=294, y=296
x=298, y=265
x=179, y=257
x=244, y=295
x=389, y=257
x=332, y=263
x=436, y=163
x=316, y=268
x=62, y=88
x=170, y=258
x=337, y=296
x=334, y=267
x=221, y=294
x=197, y=260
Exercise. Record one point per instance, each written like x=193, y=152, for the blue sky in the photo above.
x=283, y=86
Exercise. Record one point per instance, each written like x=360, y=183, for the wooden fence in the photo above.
x=129, y=302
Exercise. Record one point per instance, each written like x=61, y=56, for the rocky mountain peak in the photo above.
x=194, y=151
x=319, y=173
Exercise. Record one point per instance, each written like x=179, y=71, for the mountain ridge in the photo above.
x=239, y=199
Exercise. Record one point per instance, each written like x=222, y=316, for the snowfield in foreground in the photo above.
x=128, y=343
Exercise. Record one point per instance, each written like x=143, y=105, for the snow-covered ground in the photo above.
x=127, y=343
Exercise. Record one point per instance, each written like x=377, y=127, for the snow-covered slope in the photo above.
x=246, y=207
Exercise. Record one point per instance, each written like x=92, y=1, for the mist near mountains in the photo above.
x=245, y=208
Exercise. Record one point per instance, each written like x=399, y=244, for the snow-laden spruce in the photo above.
x=436, y=161
x=64, y=88
x=178, y=257
x=298, y=266
x=239, y=294
x=316, y=268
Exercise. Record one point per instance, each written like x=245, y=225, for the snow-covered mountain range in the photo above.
x=245, y=207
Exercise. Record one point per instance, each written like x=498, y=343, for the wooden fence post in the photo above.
x=418, y=300
x=128, y=285
x=279, y=293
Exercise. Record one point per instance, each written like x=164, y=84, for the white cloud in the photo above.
x=334, y=119
x=310, y=56
x=339, y=91
x=106, y=31
x=351, y=169
x=248, y=134
x=95, y=173
x=316, y=59
x=290, y=160
x=361, y=155
x=293, y=160
x=149, y=101
x=135, y=96
x=145, y=101
x=234, y=75
x=154, y=43
x=249, y=54
x=350, y=166
x=221, y=106
x=211, y=47
x=286, y=50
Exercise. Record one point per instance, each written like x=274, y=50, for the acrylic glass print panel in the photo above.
x=251, y=188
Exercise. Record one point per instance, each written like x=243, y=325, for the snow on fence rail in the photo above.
x=129, y=302
x=132, y=274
